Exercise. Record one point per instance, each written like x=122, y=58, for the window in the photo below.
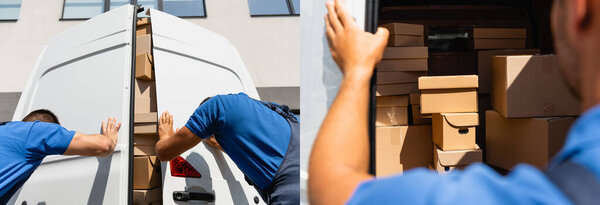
x=274, y=7
x=9, y=9
x=85, y=9
x=184, y=8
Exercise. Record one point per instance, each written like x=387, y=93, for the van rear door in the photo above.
x=320, y=76
x=83, y=76
x=192, y=63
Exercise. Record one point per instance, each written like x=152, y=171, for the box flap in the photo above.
x=461, y=119
x=405, y=29
x=415, y=98
x=448, y=82
x=392, y=101
x=458, y=157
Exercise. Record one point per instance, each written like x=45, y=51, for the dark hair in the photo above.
x=205, y=99
x=41, y=115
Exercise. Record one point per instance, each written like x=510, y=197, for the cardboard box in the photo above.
x=525, y=140
x=143, y=197
x=143, y=30
x=500, y=33
x=448, y=94
x=143, y=44
x=143, y=21
x=401, y=148
x=391, y=110
x=396, y=89
x=145, y=88
x=415, y=98
x=146, y=172
x=484, y=62
x=446, y=161
x=145, y=128
x=499, y=43
x=406, y=40
x=145, y=105
x=402, y=65
x=399, y=77
x=144, y=150
x=151, y=117
x=143, y=66
x=145, y=140
x=405, y=29
x=455, y=131
x=531, y=86
x=405, y=52
x=418, y=118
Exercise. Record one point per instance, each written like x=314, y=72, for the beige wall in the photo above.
x=269, y=46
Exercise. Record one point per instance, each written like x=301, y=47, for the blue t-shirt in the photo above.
x=254, y=136
x=23, y=146
x=478, y=184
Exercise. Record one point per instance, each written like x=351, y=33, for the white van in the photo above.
x=85, y=75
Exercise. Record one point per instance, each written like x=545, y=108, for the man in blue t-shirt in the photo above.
x=338, y=167
x=260, y=137
x=24, y=144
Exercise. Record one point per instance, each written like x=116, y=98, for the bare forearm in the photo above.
x=90, y=145
x=341, y=152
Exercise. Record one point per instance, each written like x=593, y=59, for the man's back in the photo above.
x=23, y=146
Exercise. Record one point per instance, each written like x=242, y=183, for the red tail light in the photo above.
x=182, y=168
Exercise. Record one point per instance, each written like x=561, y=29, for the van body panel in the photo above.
x=191, y=64
x=320, y=76
x=84, y=77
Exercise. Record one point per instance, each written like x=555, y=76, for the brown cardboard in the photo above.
x=405, y=29
x=484, y=62
x=445, y=170
x=401, y=148
x=143, y=66
x=456, y=157
x=399, y=77
x=525, y=140
x=145, y=128
x=396, y=89
x=531, y=86
x=405, y=52
x=406, y=40
x=143, y=30
x=391, y=110
x=144, y=150
x=499, y=33
x=151, y=117
x=455, y=131
x=452, y=63
x=145, y=88
x=144, y=197
x=143, y=21
x=499, y=43
x=415, y=98
x=143, y=44
x=392, y=101
x=145, y=105
x=448, y=94
x=418, y=118
x=146, y=172
x=402, y=65
x=148, y=139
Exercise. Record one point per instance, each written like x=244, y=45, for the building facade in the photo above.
x=265, y=33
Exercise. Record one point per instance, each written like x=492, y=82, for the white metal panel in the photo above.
x=84, y=77
x=319, y=75
x=192, y=63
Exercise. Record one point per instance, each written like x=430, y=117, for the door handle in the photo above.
x=187, y=196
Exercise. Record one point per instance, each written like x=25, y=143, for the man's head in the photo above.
x=576, y=30
x=41, y=115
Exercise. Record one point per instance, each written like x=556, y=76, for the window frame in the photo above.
x=290, y=7
x=106, y=8
x=15, y=19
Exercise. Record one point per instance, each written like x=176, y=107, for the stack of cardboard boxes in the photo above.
x=452, y=100
x=499, y=38
x=400, y=146
x=146, y=166
x=533, y=110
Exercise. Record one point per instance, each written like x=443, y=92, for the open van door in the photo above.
x=192, y=63
x=320, y=76
x=84, y=76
